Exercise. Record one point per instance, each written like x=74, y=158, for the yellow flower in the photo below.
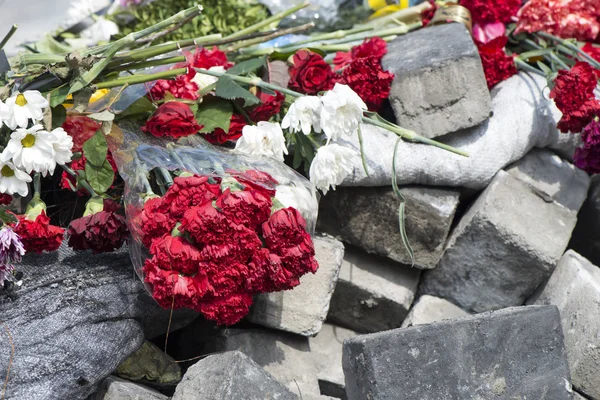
x=98, y=94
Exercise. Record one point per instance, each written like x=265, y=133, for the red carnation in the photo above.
x=189, y=191
x=237, y=244
x=228, y=310
x=175, y=252
x=154, y=221
x=69, y=182
x=366, y=77
x=267, y=273
x=573, y=94
x=248, y=207
x=182, y=87
x=205, y=224
x=374, y=47
x=497, y=65
x=270, y=107
x=257, y=180
x=204, y=58
x=39, y=236
x=592, y=51
x=219, y=136
x=101, y=232
x=5, y=199
x=427, y=15
x=172, y=119
x=310, y=73
x=80, y=128
x=487, y=11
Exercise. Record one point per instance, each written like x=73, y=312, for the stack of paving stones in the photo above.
x=502, y=302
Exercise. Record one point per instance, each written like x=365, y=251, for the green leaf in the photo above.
x=544, y=68
x=6, y=217
x=59, y=95
x=99, y=178
x=230, y=90
x=214, y=113
x=59, y=115
x=248, y=66
x=95, y=149
x=140, y=106
x=104, y=116
x=401, y=207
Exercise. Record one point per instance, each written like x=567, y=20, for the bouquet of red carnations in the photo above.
x=225, y=227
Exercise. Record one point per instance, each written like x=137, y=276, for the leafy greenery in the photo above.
x=99, y=178
x=214, y=113
x=218, y=16
x=228, y=89
x=95, y=149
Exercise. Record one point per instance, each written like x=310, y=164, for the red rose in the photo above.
x=310, y=73
x=5, y=199
x=68, y=182
x=219, y=136
x=39, y=236
x=189, y=191
x=172, y=119
x=227, y=311
x=175, y=252
x=366, y=77
x=182, y=87
x=80, y=128
x=248, y=207
x=573, y=94
x=271, y=106
x=488, y=11
x=375, y=47
x=497, y=66
x=100, y=232
x=206, y=59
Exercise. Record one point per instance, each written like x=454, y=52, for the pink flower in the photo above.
x=488, y=32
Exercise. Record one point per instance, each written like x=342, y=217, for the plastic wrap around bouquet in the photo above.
x=210, y=227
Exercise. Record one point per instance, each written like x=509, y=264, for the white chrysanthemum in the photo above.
x=265, y=139
x=304, y=114
x=341, y=113
x=13, y=180
x=203, y=80
x=62, y=144
x=100, y=31
x=22, y=107
x=31, y=149
x=297, y=197
x=331, y=165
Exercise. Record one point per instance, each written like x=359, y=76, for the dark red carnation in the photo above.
x=299, y=259
x=101, y=232
x=257, y=180
x=588, y=159
x=39, y=236
x=237, y=244
x=154, y=221
x=172, y=119
x=310, y=73
x=182, y=87
x=368, y=79
x=375, y=47
x=490, y=11
x=5, y=199
x=227, y=310
x=69, y=182
x=592, y=51
x=591, y=134
x=80, y=128
x=204, y=58
x=206, y=224
x=175, y=252
x=248, y=207
x=573, y=94
x=219, y=136
x=497, y=65
x=267, y=273
x=270, y=107
x=189, y=191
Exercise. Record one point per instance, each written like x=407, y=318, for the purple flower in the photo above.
x=591, y=134
x=11, y=248
x=588, y=159
x=6, y=272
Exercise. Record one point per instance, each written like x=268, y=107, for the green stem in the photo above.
x=37, y=184
x=272, y=36
x=166, y=175
x=334, y=35
x=84, y=184
x=570, y=46
x=140, y=78
x=277, y=17
x=522, y=65
x=150, y=63
x=10, y=34
x=404, y=133
x=146, y=184
x=547, y=53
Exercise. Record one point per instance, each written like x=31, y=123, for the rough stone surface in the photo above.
x=373, y=293
x=368, y=218
x=548, y=173
x=303, y=309
x=586, y=236
x=503, y=248
x=285, y=356
x=76, y=318
x=228, y=376
x=439, y=85
x=150, y=364
x=577, y=396
x=515, y=353
x=428, y=309
x=574, y=288
x=311, y=396
x=326, y=349
x=113, y=388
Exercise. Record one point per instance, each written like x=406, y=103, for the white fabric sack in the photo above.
x=524, y=118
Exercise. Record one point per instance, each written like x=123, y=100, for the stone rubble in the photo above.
x=428, y=309
x=574, y=288
x=113, y=388
x=150, y=364
x=373, y=293
x=303, y=309
x=511, y=353
x=586, y=236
